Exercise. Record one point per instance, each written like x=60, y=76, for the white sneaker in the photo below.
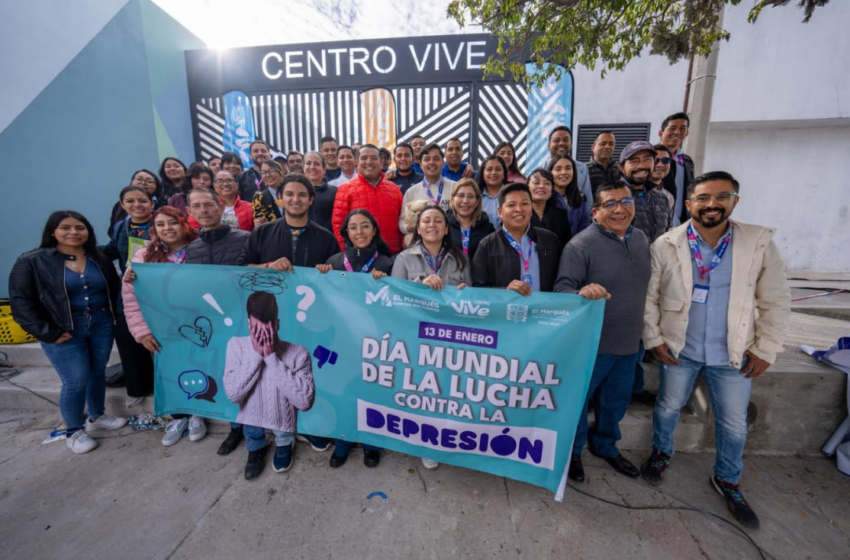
x=105, y=422
x=429, y=464
x=197, y=428
x=130, y=402
x=174, y=431
x=80, y=442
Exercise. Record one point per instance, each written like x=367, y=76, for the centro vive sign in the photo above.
x=415, y=60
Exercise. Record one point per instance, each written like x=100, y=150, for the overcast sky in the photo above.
x=224, y=23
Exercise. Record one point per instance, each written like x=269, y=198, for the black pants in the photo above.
x=135, y=359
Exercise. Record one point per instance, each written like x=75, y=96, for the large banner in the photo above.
x=480, y=378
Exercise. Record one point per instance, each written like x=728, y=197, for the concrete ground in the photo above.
x=132, y=498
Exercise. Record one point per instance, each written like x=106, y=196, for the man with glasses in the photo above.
x=637, y=160
x=609, y=259
x=663, y=159
x=718, y=304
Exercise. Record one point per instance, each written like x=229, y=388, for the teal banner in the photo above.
x=480, y=378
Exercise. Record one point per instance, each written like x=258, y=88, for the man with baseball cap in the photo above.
x=652, y=211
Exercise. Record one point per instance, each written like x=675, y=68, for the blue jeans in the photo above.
x=256, y=437
x=638, y=386
x=730, y=396
x=81, y=365
x=343, y=447
x=611, y=383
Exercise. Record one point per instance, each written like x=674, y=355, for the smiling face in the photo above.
x=137, y=205
x=271, y=176
x=638, y=168
x=369, y=164
x=541, y=188
x=432, y=226
x=403, y=158
x=662, y=168
x=418, y=144
x=314, y=168
x=361, y=232
x=328, y=150
x=494, y=175
x=603, y=147
x=169, y=230
x=563, y=172
x=464, y=201
x=345, y=158
x=296, y=163
x=174, y=171
x=560, y=144
x=259, y=153
x=432, y=165
x=515, y=211
x=454, y=153
x=71, y=232
x=225, y=184
x=296, y=199
x=203, y=180
x=145, y=180
x=618, y=218
x=674, y=134
x=507, y=155
x=713, y=212
x=234, y=166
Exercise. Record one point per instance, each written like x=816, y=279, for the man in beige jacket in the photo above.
x=717, y=304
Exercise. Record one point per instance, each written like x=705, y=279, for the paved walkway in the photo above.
x=132, y=498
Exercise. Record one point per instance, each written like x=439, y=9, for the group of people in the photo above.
x=704, y=293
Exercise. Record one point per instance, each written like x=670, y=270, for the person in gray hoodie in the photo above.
x=609, y=259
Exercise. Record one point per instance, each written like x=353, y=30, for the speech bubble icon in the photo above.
x=193, y=383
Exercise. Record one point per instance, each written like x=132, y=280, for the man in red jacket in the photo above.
x=370, y=191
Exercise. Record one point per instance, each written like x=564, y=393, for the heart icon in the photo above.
x=198, y=334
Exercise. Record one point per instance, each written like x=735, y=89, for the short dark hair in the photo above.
x=227, y=157
x=370, y=146
x=404, y=145
x=384, y=151
x=328, y=139
x=415, y=136
x=382, y=247
x=662, y=147
x=558, y=129
x=675, y=117
x=713, y=176
x=291, y=153
x=262, y=306
x=605, y=187
x=344, y=147
x=125, y=190
x=258, y=141
x=546, y=174
x=430, y=147
x=297, y=178
x=53, y=221
x=595, y=138
x=513, y=187
x=454, y=140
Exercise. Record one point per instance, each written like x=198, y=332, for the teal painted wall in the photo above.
x=79, y=141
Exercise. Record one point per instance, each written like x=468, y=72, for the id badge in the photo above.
x=700, y=294
x=527, y=279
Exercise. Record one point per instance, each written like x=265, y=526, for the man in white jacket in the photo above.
x=718, y=303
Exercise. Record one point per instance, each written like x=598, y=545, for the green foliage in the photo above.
x=598, y=33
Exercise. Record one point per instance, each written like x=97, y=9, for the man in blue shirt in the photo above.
x=455, y=168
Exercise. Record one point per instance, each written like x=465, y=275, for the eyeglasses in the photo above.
x=224, y=181
x=362, y=227
x=627, y=202
x=267, y=173
x=719, y=197
x=145, y=181
x=664, y=160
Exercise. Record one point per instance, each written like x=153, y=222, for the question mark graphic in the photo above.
x=306, y=302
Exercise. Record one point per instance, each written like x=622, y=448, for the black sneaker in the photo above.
x=576, y=471
x=338, y=460
x=256, y=463
x=738, y=506
x=231, y=442
x=371, y=458
x=653, y=470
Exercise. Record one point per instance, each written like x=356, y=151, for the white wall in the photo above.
x=794, y=180
x=780, y=68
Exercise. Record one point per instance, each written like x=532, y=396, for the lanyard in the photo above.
x=464, y=239
x=366, y=266
x=431, y=196
x=518, y=248
x=696, y=254
x=258, y=182
x=435, y=264
x=180, y=255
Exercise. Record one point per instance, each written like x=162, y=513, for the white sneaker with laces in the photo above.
x=105, y=422
x=197, y=428
x=429, y=464
x=174, y=431
x=80, y=442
